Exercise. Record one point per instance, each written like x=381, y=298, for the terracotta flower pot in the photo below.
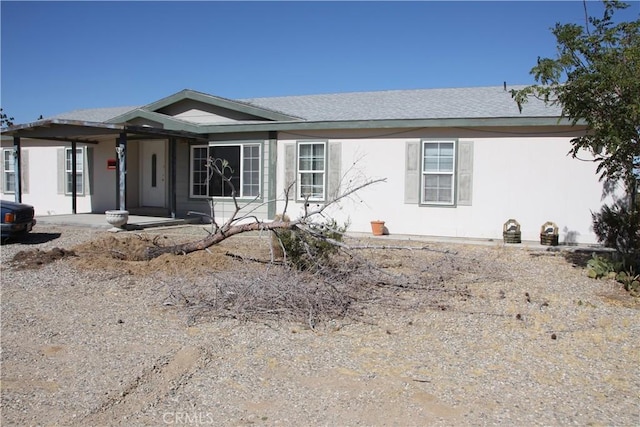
x=377, y=228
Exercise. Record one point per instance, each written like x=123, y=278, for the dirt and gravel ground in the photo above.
x=450, y=334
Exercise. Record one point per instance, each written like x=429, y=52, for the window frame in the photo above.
x=5, y=172
x=241, y=172
x=452, y=173
x=324, y=172
x=68, y=179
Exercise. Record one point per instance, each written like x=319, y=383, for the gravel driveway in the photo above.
x=511, y=337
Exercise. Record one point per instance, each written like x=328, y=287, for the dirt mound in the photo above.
x=124, y=254
x=128, y=248
x=36, y=258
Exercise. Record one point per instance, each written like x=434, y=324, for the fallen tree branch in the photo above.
x=231, y=228
x=244, y=258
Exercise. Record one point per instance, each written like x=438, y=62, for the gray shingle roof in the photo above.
x=93, y=114
x=478, y=102
x=475, y=102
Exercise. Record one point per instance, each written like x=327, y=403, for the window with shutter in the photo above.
x=8, y=171
x=438, y=172
x=68, y=169
x=311, y=170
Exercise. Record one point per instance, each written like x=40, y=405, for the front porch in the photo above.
x=100, y=166
x=137, y=220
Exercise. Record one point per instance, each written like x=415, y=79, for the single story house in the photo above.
x=458, y=162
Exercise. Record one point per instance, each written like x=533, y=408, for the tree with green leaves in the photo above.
x=5, y=120
x=595, y=79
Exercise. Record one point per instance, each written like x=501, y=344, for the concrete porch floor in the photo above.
x=136, y=222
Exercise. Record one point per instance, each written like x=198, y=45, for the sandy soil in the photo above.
x=443, y=334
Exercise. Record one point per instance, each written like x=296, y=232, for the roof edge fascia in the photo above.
x=17, y=129
x=391, y=124
x=230, y=104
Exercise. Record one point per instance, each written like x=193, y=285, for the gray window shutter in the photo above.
x=412, y=172
x=290, y=169
x=465, y=173
x=24, y=171
x=335, y=170
x=88, y=170
x=61, y=174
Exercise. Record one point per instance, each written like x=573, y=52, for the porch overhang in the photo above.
x=90, y=132
x=85, y=132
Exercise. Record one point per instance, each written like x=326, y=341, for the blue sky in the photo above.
x=62, y=56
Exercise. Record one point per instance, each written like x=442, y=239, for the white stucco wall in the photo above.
x=42, y=175
x=531, y=179
x=103, y=195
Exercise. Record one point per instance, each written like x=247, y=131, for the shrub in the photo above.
x=630, y=281
x=309, y=249
x=601, y=266
x=618, y=227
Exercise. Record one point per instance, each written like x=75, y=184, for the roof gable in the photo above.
x=143, y=117
x=195, y=106
x=203, y=113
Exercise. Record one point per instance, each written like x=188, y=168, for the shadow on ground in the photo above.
x=578, y=259
x=31, y=238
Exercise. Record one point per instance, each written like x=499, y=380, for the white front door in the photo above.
x=153, y=169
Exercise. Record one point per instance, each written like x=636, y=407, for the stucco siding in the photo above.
x=515, y=172
x=43, y=173
x=531, y=179
x=103, y=194
x=534, y=180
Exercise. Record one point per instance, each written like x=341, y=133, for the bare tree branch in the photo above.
x=233, y=226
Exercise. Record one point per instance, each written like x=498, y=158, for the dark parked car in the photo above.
x=17, y=218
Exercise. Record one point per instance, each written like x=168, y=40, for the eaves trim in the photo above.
x=62, y=129
x=390, y=124
x=46, y=126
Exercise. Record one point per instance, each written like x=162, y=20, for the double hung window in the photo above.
x=311, y=170
x=68, y=169
x=9, y=170
x=438, y=175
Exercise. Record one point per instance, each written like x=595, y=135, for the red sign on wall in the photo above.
x=111, y=164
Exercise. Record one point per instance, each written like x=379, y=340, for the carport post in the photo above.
x=172, y=179
x=121, y=149
x=74, y=178
x=16, y=167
